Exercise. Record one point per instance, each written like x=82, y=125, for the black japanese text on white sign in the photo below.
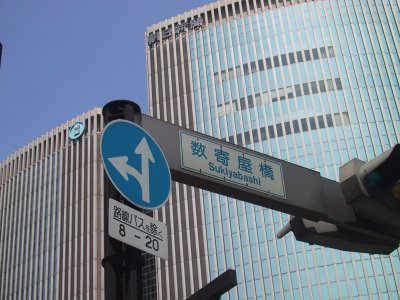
x=233, y=164
x=137, y=229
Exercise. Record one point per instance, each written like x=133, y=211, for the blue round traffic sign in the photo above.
x=135, y=164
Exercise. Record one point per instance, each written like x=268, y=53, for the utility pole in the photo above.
x=122, y=263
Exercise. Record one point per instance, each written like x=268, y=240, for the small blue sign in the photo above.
x=76, y=130
x=135, y=164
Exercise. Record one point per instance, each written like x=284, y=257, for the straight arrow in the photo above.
x=122, y=166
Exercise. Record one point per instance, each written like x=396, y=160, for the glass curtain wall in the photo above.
x=313, y=83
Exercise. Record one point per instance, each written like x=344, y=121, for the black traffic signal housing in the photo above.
x=381, y=178
x=372, y=188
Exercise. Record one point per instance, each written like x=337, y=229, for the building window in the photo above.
x=282, y=60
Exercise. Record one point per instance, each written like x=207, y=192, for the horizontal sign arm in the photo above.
x=306, y=193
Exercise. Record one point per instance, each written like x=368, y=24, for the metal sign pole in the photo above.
x=217, y=287
x=122, y=263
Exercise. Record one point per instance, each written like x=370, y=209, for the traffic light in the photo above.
x=381, y=178
x=372, y=192
x=373, y=188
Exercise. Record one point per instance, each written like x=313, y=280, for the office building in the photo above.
x=312, y=82
x=51, y=215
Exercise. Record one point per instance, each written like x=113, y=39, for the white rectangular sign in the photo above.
x=137, y=229
x=229, y=164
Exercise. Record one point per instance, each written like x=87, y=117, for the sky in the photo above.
x=63, y=58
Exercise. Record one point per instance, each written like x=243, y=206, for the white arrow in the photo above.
x=121, y=164
x=144, y=151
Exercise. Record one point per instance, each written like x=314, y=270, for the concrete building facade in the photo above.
x=51, y=216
